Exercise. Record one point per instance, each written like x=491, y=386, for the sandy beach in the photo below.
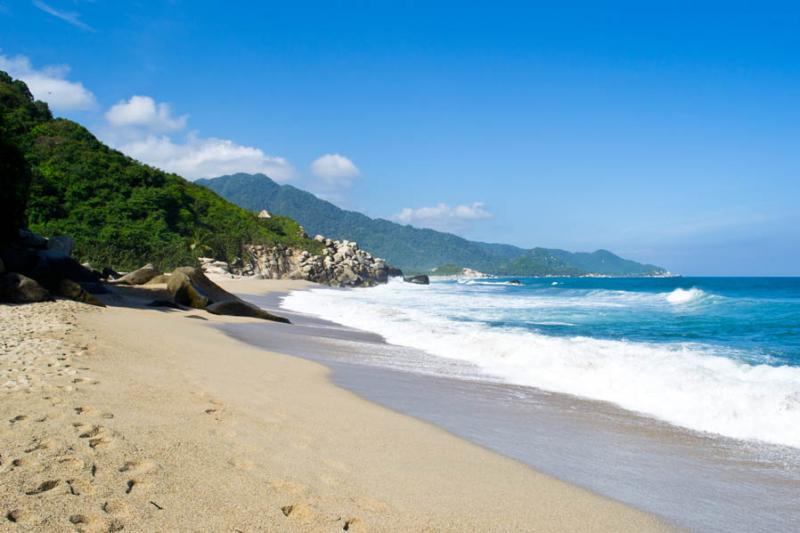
x=143, y=419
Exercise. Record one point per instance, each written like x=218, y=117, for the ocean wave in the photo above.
x=683, y=296
x=689, y=385
x=482, y=282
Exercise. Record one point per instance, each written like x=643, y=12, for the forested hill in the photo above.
x=410, y=248
x=120, y=212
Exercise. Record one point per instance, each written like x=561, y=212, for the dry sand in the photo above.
x=152, y=420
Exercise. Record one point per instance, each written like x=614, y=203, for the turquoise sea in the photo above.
x=715, y=355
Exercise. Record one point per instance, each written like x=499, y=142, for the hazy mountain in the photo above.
x=411, y=248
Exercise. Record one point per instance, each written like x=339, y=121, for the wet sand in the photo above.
x=699, y=481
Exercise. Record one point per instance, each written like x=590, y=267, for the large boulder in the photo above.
x=61, y=243
x=392, y=272
x=184, y=292
x=29, y=239
x=422, y=279
x=209, y=265
x=69, y=289
x=110, y=274
x=49, y=267
x=214, y=292
x=189, y=286
x=242, y=308
x=19, y=289
x=347, y=278
x=139, y=276
x=161, y=278
x=16, y=178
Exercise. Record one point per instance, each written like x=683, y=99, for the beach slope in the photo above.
x=154, y=420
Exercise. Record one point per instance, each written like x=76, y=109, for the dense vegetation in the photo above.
x=414, y=249
x=119, y=211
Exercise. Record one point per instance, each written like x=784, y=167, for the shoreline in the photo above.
x=175, y=425
x=630, y=457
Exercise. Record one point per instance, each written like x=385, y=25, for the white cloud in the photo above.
x=333, y=175
x=443, y=216
x=67, y=16
x=335, y=169
x=50, y=84
x=142, y=111
x=198, y=157
x=139, y=127
x=146, y=130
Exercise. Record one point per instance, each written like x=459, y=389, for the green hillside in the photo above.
x=410, y=248
x=119, y=211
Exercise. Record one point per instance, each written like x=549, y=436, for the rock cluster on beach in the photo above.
x=340, y=264
x=35, y=269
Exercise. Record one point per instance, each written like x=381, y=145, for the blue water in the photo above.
x=716, y=355
x=754, y=319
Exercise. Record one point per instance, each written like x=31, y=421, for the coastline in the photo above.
x=251, y=440
x=625, y=455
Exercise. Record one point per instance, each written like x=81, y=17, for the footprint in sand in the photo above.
x=23, y=461
x=116, y=507
x=40, y=445
x=17, y=516
x=73, y=463
x=139, y=467
x=351, y=524
x=93, y=522
x=130, y=484
x=43, y=487
x=79, y=487
x=97, y=436
x=17, y=419
x=94, y=432
x=242, y=464
x=99, y=442
x=86, y=381
x=301, y=512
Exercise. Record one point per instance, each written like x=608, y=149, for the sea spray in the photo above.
x=682, y=296
x=645, y=350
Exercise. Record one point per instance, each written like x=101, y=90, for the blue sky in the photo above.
x=666, y=132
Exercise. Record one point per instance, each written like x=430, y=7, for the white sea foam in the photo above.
x=490, y=283
x=682, y=296
x=689, y=385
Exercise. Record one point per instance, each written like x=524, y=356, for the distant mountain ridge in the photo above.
x=415, y=249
